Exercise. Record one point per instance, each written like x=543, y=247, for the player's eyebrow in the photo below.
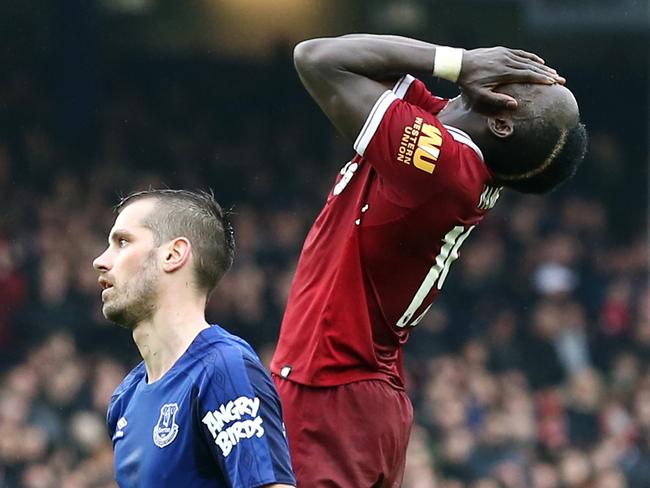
x=119, y=233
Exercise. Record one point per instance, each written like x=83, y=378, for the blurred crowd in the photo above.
x=531, y=370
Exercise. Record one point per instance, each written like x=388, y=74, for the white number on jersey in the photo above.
x=348, y=172
x=437, y=274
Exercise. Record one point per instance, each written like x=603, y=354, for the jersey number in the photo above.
x=347, y=172
x=437, y=274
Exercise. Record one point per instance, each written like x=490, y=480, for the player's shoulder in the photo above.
x=221, y=350
x=228, y=368
x=458, y=147
x=123, y=394
x=465, y=140
x=216, y=338
x=131, y=380
x=414, y=91
x=473, y=179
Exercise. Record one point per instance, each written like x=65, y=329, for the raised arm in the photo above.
x=346, y=75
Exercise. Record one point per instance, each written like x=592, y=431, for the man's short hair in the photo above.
x=543, y=166
x=197, y=216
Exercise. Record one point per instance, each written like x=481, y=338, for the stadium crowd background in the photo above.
x=532, y=370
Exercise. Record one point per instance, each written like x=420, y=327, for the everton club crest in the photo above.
x=166, y=429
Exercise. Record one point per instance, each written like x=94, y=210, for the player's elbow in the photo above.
x=303, y=51
x=313, y=55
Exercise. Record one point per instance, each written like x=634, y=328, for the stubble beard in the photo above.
x=137, y=302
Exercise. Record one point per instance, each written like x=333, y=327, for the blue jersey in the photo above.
x=214, y=419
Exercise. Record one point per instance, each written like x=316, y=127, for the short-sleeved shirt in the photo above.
x=213, y=420
x=381, y=248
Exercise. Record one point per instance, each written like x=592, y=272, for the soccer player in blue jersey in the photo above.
x=200, y=410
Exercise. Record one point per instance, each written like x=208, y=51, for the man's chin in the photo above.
x=117, y=316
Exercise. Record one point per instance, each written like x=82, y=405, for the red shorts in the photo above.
x=348, y=436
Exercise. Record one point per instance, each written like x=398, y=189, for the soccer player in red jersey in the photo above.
x=425, y=173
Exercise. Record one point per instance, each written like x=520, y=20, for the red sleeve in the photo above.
x=413, y=91
x=412, y=151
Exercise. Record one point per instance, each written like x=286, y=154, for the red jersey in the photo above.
x=381, y=248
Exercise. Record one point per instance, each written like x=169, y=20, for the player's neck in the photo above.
x=164, y=338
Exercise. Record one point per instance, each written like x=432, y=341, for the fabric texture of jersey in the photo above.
x=381, y=248
x=214, y=419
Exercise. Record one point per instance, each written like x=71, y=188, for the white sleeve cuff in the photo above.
x=402, y=86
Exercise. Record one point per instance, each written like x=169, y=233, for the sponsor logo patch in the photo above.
x=420, y=145
x=233, y=422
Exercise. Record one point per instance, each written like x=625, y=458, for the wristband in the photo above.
x=447, y=63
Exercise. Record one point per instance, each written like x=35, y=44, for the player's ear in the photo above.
x=176, y=254
x=501, y=126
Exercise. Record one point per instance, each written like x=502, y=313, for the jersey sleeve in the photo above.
x=120, y=397
x=414, y=154
x=111, y=418
x=241, y=420
x=413, y=91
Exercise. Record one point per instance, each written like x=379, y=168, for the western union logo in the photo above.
x=409, y=139
x=428, y=149
x=420, y=145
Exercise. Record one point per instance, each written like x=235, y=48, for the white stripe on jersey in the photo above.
x=373, y=121
x=378, y=110
x=402, y=86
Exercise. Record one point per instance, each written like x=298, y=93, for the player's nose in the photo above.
x=101, y=262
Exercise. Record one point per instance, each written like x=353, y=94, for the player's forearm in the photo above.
x=374, y=56
x=407, y=41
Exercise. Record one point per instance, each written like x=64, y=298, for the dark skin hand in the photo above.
x=484, y=69
x=346, y=75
